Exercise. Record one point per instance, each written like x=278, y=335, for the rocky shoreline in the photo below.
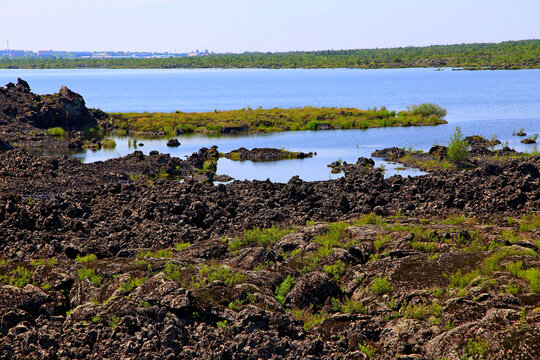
x=118, y=259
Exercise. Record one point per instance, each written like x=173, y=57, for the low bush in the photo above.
x=56, y=131
x=381, y=286
x=427, y=109
x=458, y=148
x=283, y=289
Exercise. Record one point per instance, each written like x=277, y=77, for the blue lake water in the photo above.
x=486, y=103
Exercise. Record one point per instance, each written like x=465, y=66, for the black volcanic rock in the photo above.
x=65, y=109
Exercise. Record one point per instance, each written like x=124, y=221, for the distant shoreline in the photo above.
x=509, y=55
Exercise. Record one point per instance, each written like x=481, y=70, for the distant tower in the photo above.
x=7, y=44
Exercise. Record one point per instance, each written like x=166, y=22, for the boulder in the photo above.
x=312, y=289
x=173, y=143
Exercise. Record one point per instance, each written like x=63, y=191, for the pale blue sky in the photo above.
x=261, y=25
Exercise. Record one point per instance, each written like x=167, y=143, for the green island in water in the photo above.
x=270, y=120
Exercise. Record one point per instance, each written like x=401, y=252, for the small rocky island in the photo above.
x=117, y=259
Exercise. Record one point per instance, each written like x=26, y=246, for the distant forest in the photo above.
x=523, y=54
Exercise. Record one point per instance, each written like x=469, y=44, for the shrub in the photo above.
x=367, y=349
x=309, y=318
x=20, y=277
x=132, y=284
x=283, y=289
x=381, y=286
x=90, y=274
x=352, y=307
x=335, y=271
x=108, y=144
x=56, y=131
x=427, y=109
x=458, y=148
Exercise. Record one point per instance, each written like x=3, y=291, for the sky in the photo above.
x=261, y=25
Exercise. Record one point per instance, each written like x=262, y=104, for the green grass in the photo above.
x=113, y=322
x=336, y=271
x=530, y=222
x=276, y=119
x=207, y=275
x=181, y=246
x=309, y=317
x=86, y=258
x=158, y=254
x=366, y=349
x=259, y=237
x=381, y=286
x=19, y=277
x=422, y=311
x=370, y=218
x=132, y=283
x=90, y=274
x=44, y=262
x=283, y=289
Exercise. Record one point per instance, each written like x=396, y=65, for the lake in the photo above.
x=486, y=103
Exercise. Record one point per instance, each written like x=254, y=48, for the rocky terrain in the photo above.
x=25, y=116
x=137, y=258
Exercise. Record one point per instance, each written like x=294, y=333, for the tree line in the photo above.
x=523, y=54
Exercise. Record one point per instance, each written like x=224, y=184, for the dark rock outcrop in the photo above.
x=66, y=109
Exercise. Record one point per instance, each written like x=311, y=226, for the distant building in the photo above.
x=45, y=53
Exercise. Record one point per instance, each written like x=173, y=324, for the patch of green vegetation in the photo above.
x=422, y=311
x=367, y=349
x=113, y=322
x=283, y=289
x=477, y=348
x=512, y=288
x=90, y=274
x=381, y=286
x=336, y=270
x=96, y=319
x=349, y=306
x=309, y=317
x=427, y=109
x=381, y=241
x=132, y=283
x=529, y=222
x=44, y=262
x=456, y=220
x=521, y=54
x=19, y=277
x=145, y=304
x=181, y=246
x=427, y=247
x=276, y=119
x=258, y=237
x=222, y=324
x=208, y=274
x=56, y=131
x=108, y=144
x=158, y=254
x=531, y=275
x=86, y=258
